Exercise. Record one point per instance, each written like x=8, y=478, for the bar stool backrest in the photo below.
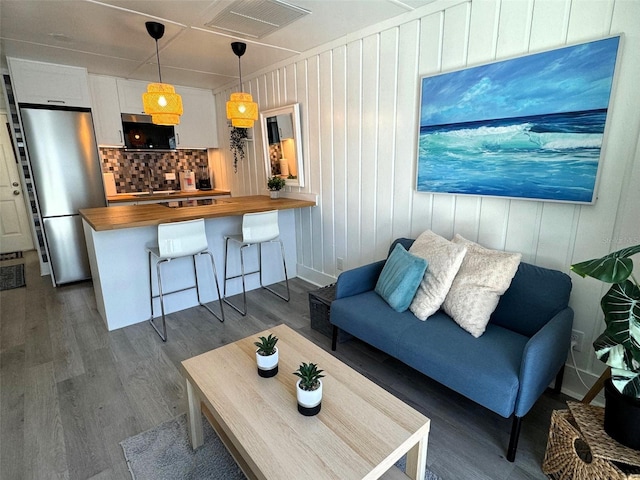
x=260, y=227
x=180, y=239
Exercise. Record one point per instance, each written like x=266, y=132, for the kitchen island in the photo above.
x=117, y=236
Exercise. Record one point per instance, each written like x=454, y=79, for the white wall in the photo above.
x=359, y=100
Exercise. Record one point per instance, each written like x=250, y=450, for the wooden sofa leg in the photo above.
x=557, y=388
x=334, y=339
x=513, y=441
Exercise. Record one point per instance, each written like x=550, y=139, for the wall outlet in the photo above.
x=170, y=176
x=340, y=263
x=578, y=338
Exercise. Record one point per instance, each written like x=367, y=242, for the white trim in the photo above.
x=312, y=276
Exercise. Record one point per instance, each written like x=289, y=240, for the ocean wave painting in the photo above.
x=530, y=127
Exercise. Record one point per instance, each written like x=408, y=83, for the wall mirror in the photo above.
x=282, y=143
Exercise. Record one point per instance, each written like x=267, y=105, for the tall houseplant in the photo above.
x=619, y=345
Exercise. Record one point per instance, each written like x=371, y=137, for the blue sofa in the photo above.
x=505, y=370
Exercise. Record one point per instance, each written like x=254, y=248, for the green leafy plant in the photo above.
x=266, y=345
x=275, y=183
x=619, y=345
x=237, y=139
x=309, y=376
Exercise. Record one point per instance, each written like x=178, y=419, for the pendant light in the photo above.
x=241, y=109
x=161, y=100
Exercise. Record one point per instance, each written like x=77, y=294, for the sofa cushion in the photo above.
x=484, y=369
x=483, y=276
x=368, y=317
x=444, y=259
x=535, y=295
x=400, y=278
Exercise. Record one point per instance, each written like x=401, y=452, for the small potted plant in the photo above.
x=619, y=345
x=267, y=356
x=309, y=389
x=275, y=184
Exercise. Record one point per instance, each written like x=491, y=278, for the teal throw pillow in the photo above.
x=400, y=278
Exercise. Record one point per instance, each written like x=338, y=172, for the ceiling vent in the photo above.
x=256, y=18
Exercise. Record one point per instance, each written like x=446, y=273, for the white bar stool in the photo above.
x=177, y=240
x=257, y=229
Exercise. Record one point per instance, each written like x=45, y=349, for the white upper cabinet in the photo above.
x=49, y=84
x=130, y=95
x=197, y=128
x=285, y=126
x=106, y=111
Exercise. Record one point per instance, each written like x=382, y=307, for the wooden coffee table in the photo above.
x=361, y=431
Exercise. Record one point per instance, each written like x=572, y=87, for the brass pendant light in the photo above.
x=161, y=100
x=241, y=109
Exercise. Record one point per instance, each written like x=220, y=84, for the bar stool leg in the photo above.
x=226, y=256
x=215, y=277
x=150, y=289
x=242, y=275
x=284, y=264
x=163, y=334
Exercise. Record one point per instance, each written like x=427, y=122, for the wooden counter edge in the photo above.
x=178, y=194
x=131, y=216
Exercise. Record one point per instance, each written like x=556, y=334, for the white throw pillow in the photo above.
x=483, y=277
x=444, y=259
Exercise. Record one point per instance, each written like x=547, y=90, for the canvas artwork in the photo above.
x=529, y=127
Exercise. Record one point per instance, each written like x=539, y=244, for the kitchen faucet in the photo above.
x=149, y=176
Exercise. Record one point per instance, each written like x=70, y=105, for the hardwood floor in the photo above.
x=70, y=391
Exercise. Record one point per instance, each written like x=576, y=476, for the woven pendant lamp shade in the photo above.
x=163, y=104
x=242, y=110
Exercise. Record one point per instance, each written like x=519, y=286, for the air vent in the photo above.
x=256, y=18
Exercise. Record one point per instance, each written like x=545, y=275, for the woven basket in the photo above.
x=569, y=457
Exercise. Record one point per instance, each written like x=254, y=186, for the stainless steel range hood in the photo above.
x=140, y=134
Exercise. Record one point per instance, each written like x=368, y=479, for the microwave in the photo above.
x=141, y=134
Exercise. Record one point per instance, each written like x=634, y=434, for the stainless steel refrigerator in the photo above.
x=67, y=175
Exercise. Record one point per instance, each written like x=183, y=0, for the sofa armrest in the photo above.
x=358, y=280
x=544, y=355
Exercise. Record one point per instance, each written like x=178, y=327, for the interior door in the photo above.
x=15, y=234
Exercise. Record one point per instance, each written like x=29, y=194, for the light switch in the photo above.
x=170, y=176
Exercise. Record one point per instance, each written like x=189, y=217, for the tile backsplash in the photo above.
x=130, y=168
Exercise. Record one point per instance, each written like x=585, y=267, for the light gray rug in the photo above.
x=164, y=453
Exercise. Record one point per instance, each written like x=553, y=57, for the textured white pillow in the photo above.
x=484, y=276
x=444, y=258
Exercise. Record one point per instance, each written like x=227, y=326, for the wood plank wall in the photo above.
x=359, y=101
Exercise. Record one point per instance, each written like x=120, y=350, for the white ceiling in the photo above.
x=109, y=36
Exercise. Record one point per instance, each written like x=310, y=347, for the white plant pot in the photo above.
x=274, y=193
x=267, y=365
x=309, y=402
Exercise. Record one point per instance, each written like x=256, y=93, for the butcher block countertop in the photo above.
x=165, y=195
x=117, y=217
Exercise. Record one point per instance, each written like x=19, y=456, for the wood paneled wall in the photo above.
x=359, y=101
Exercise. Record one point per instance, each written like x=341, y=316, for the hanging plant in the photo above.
x=237, y=139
